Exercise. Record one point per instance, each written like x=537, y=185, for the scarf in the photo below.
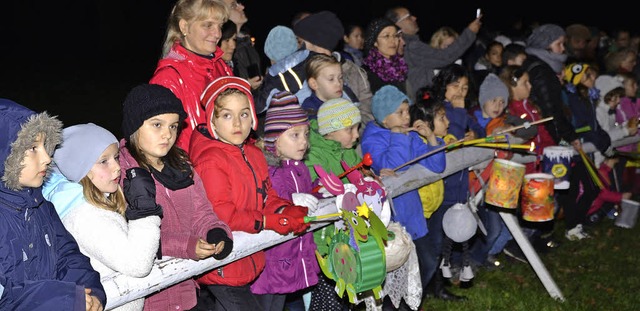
x=392, y=69
x=554, y=60
x=173, y=178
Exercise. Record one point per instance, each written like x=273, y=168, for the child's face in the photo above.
x=292, y=144
x=355, y=39
x=630, y=87
x=347, y=136
x=399, y=120
x=493, y=107
x=589, y=78
x=440, y=123
x=522, y=89
x=494, y=55
x=157, y=135
x=329, y=83
x=457, y=90
x=36, y=162
x=233, y=123
x=105, y=173
x=614, y=101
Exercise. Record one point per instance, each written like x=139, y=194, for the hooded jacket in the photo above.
x=389, y=150
x=187, y=217
x=186, y=74
x=42, y=266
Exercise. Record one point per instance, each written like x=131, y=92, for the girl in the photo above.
x=87, y=167
x=237, y=183
x=353, y=44
x=227, y=42
x=324, y=76
x=392, y=141
x=629, y=109
x=581, y=97
x=191, y=58
x=286, y=141
x=152, y=115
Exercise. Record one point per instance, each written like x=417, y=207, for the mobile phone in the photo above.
x=478, y=12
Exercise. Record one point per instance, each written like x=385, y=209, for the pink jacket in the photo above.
x=188, y=216
x=627, y=109
x=186, y=74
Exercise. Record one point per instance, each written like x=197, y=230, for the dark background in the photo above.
x=78, y=58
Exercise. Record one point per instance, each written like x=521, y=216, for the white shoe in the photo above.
x=576, y=234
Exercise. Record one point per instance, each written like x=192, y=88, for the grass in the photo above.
x=600, y=273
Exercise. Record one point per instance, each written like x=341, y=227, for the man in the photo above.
x=421, y=58
x=246, y=58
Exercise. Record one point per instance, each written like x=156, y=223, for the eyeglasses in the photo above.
x=403, y=17
x=395, y=36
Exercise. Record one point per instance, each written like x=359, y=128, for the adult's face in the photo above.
x=387, y=41
x=407, y=22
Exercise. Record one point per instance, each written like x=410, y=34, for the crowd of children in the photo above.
x=204, y=153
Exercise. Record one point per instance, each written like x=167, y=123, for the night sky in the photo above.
x=78, y=58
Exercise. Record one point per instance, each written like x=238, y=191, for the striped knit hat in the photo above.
x=336, y=114
x=284, y=113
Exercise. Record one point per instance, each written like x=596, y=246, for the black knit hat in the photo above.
x=145, y=101
x=373, y=30
x=323, y=29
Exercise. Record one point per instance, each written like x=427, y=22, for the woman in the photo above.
x=382, y=62
x=191, y=58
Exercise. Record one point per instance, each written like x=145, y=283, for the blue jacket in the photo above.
x=389, y=150
x=42, y=266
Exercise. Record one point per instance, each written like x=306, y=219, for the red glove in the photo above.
x=286, y=223
x=296, y=211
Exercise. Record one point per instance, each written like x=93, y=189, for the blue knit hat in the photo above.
x=386, y=101
x=280, y=42
x=81, y=147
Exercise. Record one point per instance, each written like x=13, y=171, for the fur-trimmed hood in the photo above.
x=19, y=127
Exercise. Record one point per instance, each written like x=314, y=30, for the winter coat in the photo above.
x=389, y=150
x=237, y=184
x=460, y=121
x=608, y=123
x=292, y=265
x=112, y=243
x=583, y=113
x=187, y=74
x=533, y=113
x=627, y=109
x=328, y=154
x=42, y=266
x=286, y=75
x=546, y=92
x=422, y=59
x=187, y=217
x=246, y=59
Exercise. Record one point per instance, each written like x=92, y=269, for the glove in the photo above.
x=217, y=235
x=140, y=192
x=305, y=199
x=285, y=223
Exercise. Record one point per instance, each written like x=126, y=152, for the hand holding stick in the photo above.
x=525, y=125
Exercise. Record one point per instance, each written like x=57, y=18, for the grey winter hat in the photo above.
x=81, y=146
x=544, y=35
x=491, y=88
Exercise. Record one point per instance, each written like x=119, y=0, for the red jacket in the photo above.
x=532, y=113
x=237, y=183
x=186, y=74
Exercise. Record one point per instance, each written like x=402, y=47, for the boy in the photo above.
x=42, y=268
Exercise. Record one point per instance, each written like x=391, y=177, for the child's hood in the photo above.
x=19, y=127
x=213, y=90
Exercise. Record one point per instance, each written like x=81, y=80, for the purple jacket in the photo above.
x=292, y=265
x=187, y=216
x=628, y=109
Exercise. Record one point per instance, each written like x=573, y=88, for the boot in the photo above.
x=436, y=289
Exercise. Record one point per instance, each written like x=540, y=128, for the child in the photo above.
x=392, y=141
x=286, y=141
x=236, y=179
x=332, y=137
x=190, y=229
x=87, y=167
x=324, y=76
x=353, y=43
x=580, y=96
x=42, y=266
x=628, y=110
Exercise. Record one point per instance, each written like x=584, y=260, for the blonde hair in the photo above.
x=114, y=202
x=190, y=11
x=440, y=35
x=318, y=62
x=615, y=58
